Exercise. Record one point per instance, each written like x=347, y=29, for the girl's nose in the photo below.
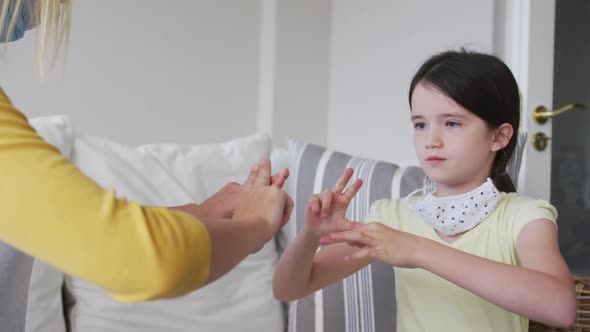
x=433, y=140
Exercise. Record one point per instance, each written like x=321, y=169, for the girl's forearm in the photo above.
x=533, y=294
x=293, y=272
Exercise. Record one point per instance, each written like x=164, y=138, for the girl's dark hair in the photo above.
x=483, y=85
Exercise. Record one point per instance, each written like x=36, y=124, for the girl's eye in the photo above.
x=419, y=125
x=453, y=124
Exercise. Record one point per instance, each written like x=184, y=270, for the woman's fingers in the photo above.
x=277, y=181
x=263, y=176
x=280, y=178
x=252, y=176
x=289, y=204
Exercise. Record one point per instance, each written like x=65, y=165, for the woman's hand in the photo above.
x=224, y=202
x=259, y=201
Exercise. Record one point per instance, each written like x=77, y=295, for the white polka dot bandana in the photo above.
x=452, y=215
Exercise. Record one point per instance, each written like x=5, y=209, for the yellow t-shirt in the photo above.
x=52, y=211
x=427, y=302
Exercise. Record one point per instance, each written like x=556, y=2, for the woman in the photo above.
x=55, y=213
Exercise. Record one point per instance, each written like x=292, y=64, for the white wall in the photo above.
x=376, y=47
x=302, y=72
x=332, y=72
x=142, y=71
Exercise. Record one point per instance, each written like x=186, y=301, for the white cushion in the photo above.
x=168, y=175
x=56, y=130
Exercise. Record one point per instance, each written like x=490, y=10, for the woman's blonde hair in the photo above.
x=52, y=18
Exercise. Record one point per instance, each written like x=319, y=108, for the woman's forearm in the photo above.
x=231, y=242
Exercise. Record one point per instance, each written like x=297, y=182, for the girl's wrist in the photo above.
x=424, y=253
x=311, y=235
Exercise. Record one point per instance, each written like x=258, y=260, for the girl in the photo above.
x=473, y=254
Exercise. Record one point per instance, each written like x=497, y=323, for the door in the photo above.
x=552, y=66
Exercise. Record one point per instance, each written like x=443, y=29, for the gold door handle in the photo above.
x=541, y=113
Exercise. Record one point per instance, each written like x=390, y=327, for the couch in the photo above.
x=37, y=297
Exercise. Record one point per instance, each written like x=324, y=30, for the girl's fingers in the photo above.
x=314, y=204
x=355, y=235
x=348, y=225
x=343, y=181
x=363, y=253
x=326, y=240
x=352, y=190
x=326, y=203
x=356, y=244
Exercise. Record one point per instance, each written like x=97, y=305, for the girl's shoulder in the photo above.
x=381, y=206
x=385, y=209
x=518, y=210
x=517, y=203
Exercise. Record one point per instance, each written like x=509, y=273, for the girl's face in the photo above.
x=455, y=147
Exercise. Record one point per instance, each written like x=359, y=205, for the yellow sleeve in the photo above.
x=54, y=212
x=380, y=211
x=527, y=210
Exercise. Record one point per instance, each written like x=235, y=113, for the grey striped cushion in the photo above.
x=15, y=273
x=365, y=301
x=513, y=167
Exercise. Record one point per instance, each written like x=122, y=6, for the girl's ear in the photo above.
x=502, y=136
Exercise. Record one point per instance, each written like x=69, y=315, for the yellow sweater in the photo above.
x=54, y=212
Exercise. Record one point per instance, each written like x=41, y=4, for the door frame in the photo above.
x=524, y=37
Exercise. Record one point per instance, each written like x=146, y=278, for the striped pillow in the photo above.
x=513, y=167
x=364, y=301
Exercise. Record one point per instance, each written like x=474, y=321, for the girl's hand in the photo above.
x=326, y=211
x=380, y=243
